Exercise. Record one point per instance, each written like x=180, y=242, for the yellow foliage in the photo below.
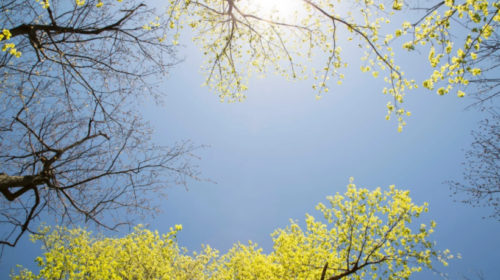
x=367, y=234
x=238, y=40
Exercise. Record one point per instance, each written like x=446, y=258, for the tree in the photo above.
x=483, y=173
x=72, y=73
x=72, y=144
x=370, y=237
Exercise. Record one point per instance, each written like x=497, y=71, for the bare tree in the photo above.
x=72, y=144
x=483, y=172
x=476, y=275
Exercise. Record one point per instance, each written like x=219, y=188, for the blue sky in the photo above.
x=281, y=152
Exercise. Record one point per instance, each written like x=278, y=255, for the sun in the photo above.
x=280, y=8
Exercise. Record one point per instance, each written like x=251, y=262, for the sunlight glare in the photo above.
x=281, y=8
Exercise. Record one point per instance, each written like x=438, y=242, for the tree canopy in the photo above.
x=368, y=235
x=238, y=39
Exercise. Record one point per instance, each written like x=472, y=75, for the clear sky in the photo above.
x=281, y=152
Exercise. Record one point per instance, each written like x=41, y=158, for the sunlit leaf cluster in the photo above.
x=454, y=64
x=10, y=47
x=238, y=40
